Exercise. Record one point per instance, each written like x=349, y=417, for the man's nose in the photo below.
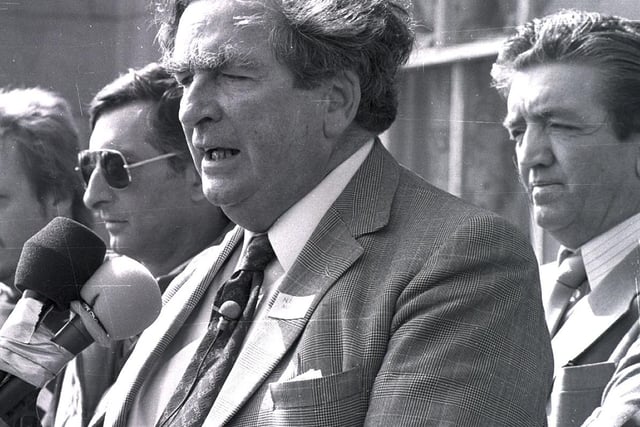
x=200, y=102
x=534, y=149
x=98, y=191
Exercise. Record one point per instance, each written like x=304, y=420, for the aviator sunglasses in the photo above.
x=113, y=165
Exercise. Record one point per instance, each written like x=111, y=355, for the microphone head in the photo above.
x=230, y=310
x=124, y=295
x=57, y=260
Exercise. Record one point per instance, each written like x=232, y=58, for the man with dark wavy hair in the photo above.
x=363, y=295
x=159, y=215
x=142, y=185
x=572, y=83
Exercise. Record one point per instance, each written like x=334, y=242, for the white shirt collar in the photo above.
x=604, y=252
x=292, y=230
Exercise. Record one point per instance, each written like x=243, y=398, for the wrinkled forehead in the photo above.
x=557, y=87
x=211, y=33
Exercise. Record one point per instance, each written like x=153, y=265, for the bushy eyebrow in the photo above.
x=542, y=115
x=511, y=120
x=198, y=59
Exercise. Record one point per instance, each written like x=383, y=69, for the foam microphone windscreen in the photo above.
x=124, y=296
x=57, y=260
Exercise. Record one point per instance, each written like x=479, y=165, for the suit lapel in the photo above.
x=330, y=251
x=290, y=309
x=153, y=342
x=598, y=311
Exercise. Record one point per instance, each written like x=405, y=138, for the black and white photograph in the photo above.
x=331, y=213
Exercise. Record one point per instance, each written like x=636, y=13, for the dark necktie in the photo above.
x=566, y=291
x=233, y=312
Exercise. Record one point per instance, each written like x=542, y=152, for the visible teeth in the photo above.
x=221, y=153
x=218, y=155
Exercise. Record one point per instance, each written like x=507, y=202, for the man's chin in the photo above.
x=551, y=219
x=120, y=246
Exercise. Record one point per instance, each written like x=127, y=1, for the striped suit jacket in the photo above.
x=589, y=346
x=411, y=306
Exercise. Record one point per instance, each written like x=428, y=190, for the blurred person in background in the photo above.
x=38, y=153
x=572, y=84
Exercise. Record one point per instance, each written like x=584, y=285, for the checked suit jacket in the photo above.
x=408, y=306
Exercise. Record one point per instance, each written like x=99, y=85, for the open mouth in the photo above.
x=542, y=184
x=113, y=221
x=216, y=154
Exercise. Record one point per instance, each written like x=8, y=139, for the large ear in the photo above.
x=194, y=184
x=344, y=100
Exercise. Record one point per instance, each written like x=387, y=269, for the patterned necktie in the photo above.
x=565, y=293
x=232, y=315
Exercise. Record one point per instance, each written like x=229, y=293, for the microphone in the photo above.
x=125, y=300
x=123, y=297
x=57, y=260
x=54, y=263
x=229, y=311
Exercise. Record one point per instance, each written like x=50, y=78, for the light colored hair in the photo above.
x=318, y=39
x=41, y=123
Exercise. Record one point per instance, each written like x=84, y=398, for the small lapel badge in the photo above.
x=288, y=307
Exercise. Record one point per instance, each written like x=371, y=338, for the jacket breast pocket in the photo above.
x=337, y=399
x=577, y=391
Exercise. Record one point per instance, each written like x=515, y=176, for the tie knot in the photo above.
x=572, y=271
x=258, y=254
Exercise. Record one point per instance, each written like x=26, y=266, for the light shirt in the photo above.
x=604, y=252
x=287, y=235
x=292, y=230
x=70, y=406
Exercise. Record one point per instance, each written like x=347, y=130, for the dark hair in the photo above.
x=609, y=43
x=154, y=85
x=317, y=39
x=40, y=122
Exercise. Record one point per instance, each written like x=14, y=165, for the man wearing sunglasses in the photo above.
x=142, y=185
x=140, y=180
x=38, y=146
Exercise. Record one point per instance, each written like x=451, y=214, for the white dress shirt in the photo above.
x=604, y=252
